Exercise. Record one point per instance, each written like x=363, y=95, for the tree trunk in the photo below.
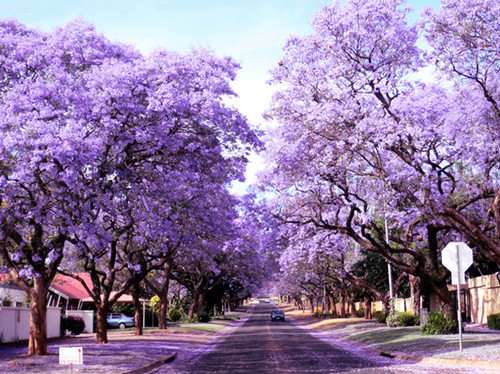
x=192, y=306
x=201, y=303
x=137, y=309
x=446, y=300
x=385, y=302
x=332, y=305
x=415, y=286
x=163, y=295
x=163, y=310
x=101, y=324
x=368, y=306
x=352, y=304
x=342, y=306
x=311, y=302
x=37, y=344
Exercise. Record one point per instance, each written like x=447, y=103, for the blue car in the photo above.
x=120, y=320
x=277, y=314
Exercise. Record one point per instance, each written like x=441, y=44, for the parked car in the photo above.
x=277, y=314
x=120, y=320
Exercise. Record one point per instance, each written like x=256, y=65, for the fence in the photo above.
x=484, y=297
x=15, y=323
x=400, y=304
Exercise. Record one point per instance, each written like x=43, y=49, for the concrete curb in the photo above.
x=154, y=365
x=440, y=360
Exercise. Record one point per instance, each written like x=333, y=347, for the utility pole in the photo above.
x=389, y=268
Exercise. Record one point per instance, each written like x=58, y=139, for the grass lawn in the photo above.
x=215, y=325
x=410, y=341
x=405, y=340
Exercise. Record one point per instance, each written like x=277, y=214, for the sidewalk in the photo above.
x=125, y=352
x=481, y=345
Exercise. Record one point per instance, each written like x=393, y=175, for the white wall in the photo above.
x=15, y=323
x=88, y=318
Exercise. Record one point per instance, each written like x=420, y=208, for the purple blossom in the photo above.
x=136, y=268
x=17, y=256
x=26, y=272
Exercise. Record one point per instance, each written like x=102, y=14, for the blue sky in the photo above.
x=251, y=31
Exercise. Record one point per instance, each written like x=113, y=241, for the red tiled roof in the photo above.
x=71, y=287
x=121, y=299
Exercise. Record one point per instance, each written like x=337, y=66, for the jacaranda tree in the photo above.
x=47, y=144
x=362, y=140
x=100, y=147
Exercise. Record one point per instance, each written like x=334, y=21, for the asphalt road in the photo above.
x=261, y=346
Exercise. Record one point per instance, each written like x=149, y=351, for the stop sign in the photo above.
x=457, y=258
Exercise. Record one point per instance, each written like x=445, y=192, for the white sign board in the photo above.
x=457, y=258
x=70, y=356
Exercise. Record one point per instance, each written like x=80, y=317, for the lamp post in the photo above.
x=389, y=268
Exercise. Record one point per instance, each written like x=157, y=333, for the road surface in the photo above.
x=259, y=346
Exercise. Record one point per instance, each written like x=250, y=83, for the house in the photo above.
x=11, y=294
x=65, y=292
x=69, y=293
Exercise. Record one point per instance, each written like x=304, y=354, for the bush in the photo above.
x=438, y=324
x=125, y=308
x=74, y=324
x=379, y=316
x=394, y=319
x=322, y=315
x=494, y=321
x=204, y=317
x=409, y=319
x=174, y=315
x=360, y=313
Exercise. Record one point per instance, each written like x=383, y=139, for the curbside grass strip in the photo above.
x=403, y=356
x=154, y=365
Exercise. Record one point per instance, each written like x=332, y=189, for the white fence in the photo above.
x=88, y=318
x=15, y=323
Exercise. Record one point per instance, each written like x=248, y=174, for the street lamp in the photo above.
x=389, y=268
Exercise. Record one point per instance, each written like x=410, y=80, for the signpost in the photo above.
x=457, y=257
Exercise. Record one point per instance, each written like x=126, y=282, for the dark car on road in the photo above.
x=120, y=320
x=277, y=314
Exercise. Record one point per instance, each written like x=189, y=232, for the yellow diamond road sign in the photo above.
x=457, y=258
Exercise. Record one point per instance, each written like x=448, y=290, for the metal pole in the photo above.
x=459, y=312
x=389, y=268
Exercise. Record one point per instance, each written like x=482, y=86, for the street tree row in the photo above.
x=114, y=163
x=384, y=123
